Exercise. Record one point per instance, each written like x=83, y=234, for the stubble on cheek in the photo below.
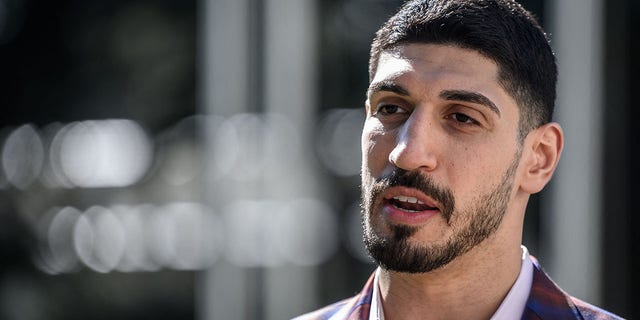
x=367, y=204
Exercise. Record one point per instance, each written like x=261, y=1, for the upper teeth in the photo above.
x=408, y=199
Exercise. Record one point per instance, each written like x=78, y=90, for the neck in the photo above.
x=472, y=286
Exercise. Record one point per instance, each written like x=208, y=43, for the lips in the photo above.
x=408, y=199
x=407, y=206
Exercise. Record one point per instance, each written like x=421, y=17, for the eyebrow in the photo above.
x=386, y=86
x=469, y=96
x=450, y=95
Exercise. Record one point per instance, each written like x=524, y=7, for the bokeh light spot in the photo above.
x=99, y=239
x=306, y=232
x=23, y=156
x=107, y=153
x=338, y=142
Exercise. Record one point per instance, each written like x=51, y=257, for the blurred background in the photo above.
x=199, y=159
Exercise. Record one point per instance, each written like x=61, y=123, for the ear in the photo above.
x=542, y=149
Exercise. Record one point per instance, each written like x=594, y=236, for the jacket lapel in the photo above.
x=547, y=300
x=359, y=306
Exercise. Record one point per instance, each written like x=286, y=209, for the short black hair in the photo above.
x=501, y=30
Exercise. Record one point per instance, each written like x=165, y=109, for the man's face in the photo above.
x=440, y=151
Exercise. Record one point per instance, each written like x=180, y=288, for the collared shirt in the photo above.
x=511, y=307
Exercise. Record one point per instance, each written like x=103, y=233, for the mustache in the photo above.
x=416, y=180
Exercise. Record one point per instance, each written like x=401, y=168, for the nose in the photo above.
x=416, y=145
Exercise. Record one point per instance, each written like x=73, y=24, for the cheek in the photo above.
x=474, y=171
x=375, y=149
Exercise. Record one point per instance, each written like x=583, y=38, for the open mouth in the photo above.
x=409, y=204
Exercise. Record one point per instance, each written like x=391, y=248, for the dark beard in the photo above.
x=396, y=253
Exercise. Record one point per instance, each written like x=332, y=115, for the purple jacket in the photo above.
x=546, y=302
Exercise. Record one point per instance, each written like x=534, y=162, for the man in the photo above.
x=458, y=135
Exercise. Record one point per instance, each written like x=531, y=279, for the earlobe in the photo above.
x=544, y=148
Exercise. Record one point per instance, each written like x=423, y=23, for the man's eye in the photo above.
x=389, y=109
x=463, y=118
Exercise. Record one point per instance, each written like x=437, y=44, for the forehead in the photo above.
x=430, y=62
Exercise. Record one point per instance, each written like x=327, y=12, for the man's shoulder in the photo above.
x=356, y=307
x=548, y=301
x=591, y=312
